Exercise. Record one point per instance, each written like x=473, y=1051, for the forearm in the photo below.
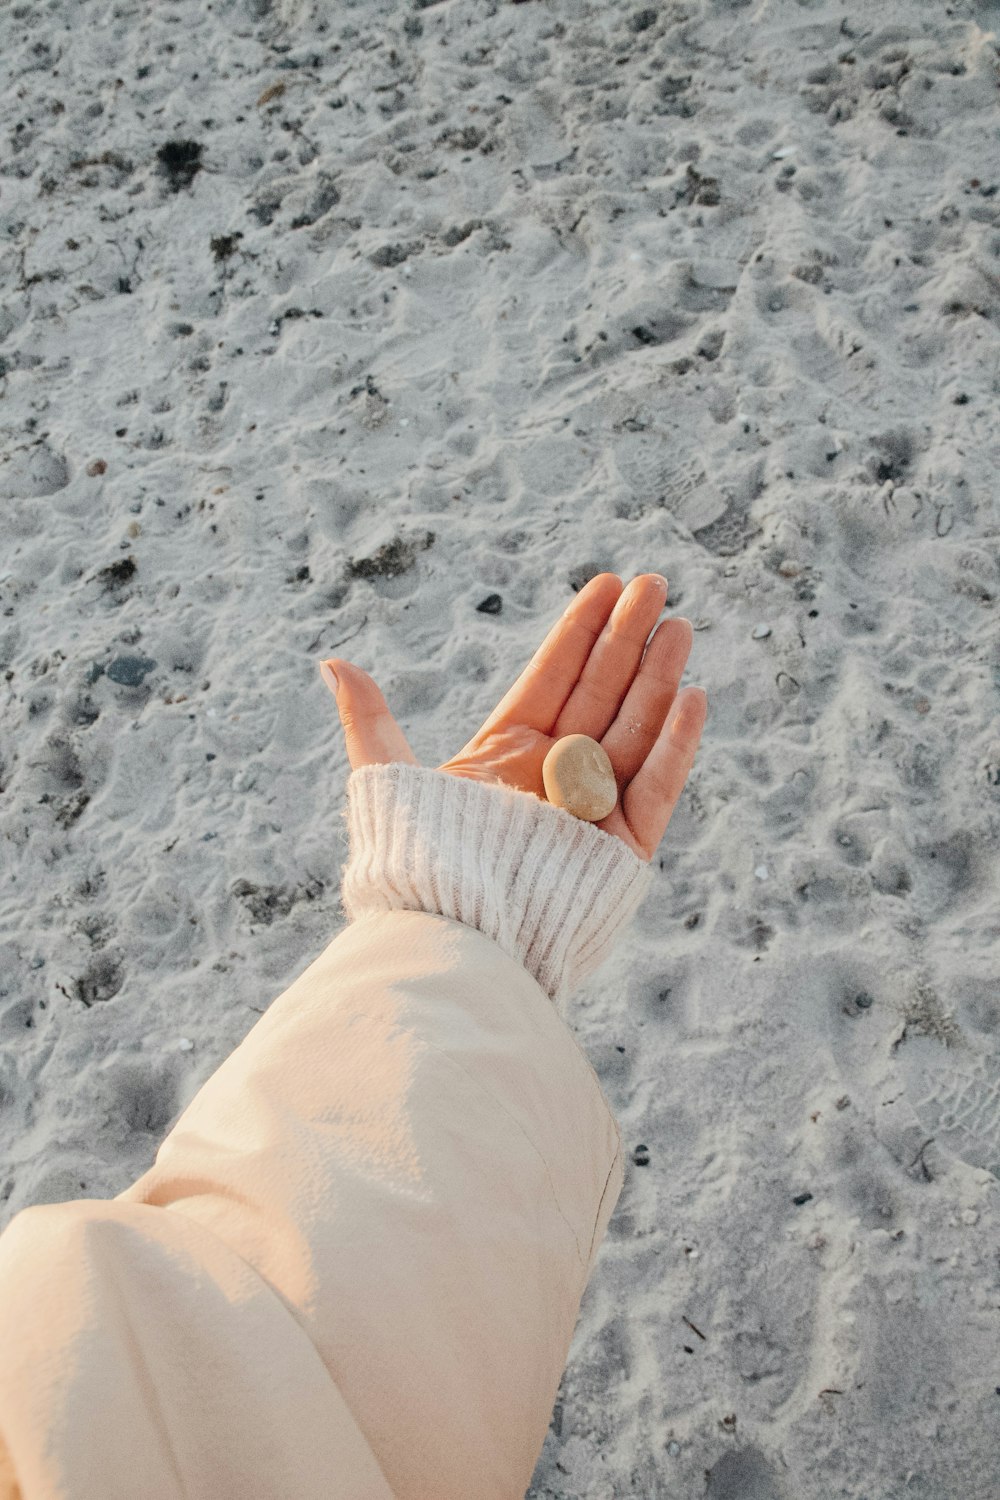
x=412, y=1150
x=363, y=1246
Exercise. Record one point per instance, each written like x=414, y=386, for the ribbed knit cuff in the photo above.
x=553, y=891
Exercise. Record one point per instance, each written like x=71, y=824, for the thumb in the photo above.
x=372, y=734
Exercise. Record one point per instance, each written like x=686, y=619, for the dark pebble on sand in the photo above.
x=178, y=162
x=802, y=1198
x=117, y=574
x=491, y=605
x=641, y=1156
x=129, y=671
x=864, y=1001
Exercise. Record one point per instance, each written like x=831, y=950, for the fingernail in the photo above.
x=329, y=676
x=660, y=578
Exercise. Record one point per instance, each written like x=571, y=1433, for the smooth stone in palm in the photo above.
x=579, y=777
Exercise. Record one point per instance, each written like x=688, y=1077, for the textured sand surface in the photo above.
x=323, y=325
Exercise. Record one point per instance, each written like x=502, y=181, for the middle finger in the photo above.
x=613, y=660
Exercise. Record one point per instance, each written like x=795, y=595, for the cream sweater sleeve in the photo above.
x=354, y=1270
x=552, y=891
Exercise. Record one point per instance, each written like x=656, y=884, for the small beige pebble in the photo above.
x=579, y=777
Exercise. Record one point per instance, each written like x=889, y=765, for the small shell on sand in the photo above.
x=579, y=777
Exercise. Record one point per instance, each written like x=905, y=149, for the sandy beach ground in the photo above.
x=374, y=330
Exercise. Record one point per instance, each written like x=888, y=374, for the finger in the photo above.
x=373, y=737
x=550, y=676
x=648, y=701
x=612, y=664
x=652, y=794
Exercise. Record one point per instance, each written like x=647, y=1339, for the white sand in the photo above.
x=522, y=293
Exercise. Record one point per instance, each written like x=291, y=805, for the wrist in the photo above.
x=552, y=890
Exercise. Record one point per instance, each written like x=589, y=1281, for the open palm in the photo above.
x=598, y=673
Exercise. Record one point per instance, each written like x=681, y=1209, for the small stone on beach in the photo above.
x=761, y=632
x=129, y=671
x=578, y=776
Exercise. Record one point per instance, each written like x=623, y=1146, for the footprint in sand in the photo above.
x=955, y=1094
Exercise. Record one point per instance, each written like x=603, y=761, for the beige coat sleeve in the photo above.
x=355, y=1268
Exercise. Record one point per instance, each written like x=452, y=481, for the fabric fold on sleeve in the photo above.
x=355, y=1267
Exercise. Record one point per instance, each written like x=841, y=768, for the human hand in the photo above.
x=596, y=673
